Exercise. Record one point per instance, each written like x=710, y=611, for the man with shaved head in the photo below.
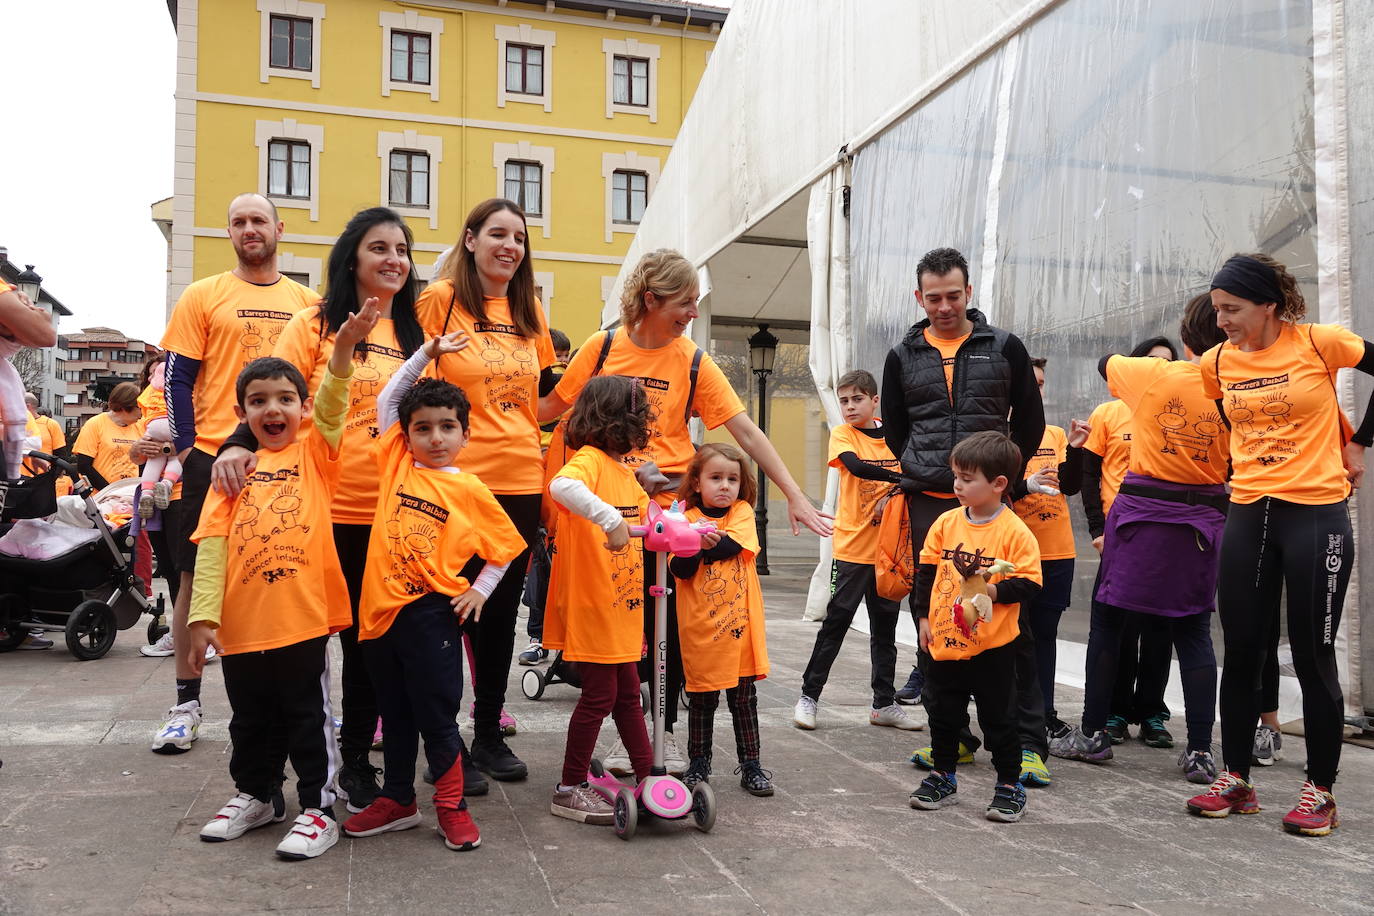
x=219, y=325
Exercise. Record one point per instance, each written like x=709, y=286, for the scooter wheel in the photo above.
x=626, y=814
x=703, y=807
x=597, y=768
x=532, y=683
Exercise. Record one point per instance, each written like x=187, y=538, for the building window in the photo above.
x=525, y=69
x=302, y=279
x=409, y=185
x=96, y=355
x=410, y=57
x=291, y=43
x=629, y=194
x=71, y=375
x=525, y=185
x=632, y=81
x=288, y=168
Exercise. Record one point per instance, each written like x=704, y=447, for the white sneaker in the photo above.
x=895, y=716
x=241, y=814
x=673, y=760
x=177, y=733
x=617, y=760
x=311, y=835
x=162, y=494
x=804, y=713
x=160, y=649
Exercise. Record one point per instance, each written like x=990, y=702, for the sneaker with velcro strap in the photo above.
x=312, y=834
x=1008, y=803
x=241, y=814
x=936, y=791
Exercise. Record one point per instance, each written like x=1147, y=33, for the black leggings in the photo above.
x=1142, y=669
x=359, y=700
x=493, y=635
x=1270, y=546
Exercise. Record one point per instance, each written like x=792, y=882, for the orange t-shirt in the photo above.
x=856, y=535
x=594, y=611
x=428, y=525
x=300, y=344
x=283, y=584
x=50, y=439
x=1285, y=420
x=153, y=403
x=1048, y=516
x=666, y=375
x=1179, y=435
x=947, y=348
x=107, y=443
x=226, y=323
x=1110, y=439
x=720, y=610
x=499, y=372
x=1006, y=537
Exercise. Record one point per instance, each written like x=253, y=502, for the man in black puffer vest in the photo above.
x=951, y=376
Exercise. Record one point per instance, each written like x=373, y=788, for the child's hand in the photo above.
x=710, y=538
x=618, y=537
x=469, y=604
x=202, y=635
x=1078, y=432
x=924, y=627
x=454, y=342
x=358, y=325
x=1045, y=480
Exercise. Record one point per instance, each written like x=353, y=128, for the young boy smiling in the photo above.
x=982, y=663
x=268, y=593
x=434, y=528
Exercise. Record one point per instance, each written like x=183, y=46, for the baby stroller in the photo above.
x=78, y=580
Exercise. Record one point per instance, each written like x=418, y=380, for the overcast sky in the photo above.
x=86, y=148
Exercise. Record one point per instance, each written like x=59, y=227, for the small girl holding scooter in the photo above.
x=594, y=613
x=720, y=614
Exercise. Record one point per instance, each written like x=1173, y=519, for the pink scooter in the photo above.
x=660, y=794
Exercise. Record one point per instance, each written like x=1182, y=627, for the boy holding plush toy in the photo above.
x=979, y=563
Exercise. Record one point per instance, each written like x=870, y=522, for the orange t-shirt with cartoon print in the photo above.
x=300, y=344
x=1285, y=419
x=283, y=584
x=856, y=535
x=665, y=373
x=226, y=323
x=1177, y=434
x=107, y=443
x=1006, y=537
x=595, y=608
x=499, y=372
x=720, y=610
x=1110, y=440
x=429, y=523
x=1048, y=516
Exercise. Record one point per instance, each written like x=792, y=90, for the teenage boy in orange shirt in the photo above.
x=268, y=593
x=433, y=524
x=982, y=663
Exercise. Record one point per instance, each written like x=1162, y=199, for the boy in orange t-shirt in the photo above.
x=268, y=593
x=432, y=524
x=867, y=471
x=977, y=661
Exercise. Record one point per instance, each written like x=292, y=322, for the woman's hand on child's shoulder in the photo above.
x=453, y=342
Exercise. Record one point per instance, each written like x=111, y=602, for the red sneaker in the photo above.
x=1228, y=794
x=382, y=815
x=1315, y=814
x=457, y=829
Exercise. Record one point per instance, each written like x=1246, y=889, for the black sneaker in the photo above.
x=497, y=760
x=910, y=693
x=938, y=790
x=358, y=784
x=535, y=654
x=1154, y=734
x=474, y=783
x=1008, y=803
x=699, y=770
x=1056, y=727
x=755, y=779
x=1118, y=729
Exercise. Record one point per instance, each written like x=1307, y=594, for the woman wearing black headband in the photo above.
x=1288, y=527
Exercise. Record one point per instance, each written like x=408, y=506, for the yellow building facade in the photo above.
x=568, y=106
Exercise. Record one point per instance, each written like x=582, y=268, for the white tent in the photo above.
x=1095, y=161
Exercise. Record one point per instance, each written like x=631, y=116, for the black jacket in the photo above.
x=993, y=380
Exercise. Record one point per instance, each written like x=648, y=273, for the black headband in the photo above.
x=1249, y=279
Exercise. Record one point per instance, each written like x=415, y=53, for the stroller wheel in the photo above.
x=156, y=629
x=532, y=684
x=91, y=630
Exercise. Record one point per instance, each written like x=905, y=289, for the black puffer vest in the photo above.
x=982, y=399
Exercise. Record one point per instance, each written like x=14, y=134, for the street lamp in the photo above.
x=30, y=284
x=763, y=349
